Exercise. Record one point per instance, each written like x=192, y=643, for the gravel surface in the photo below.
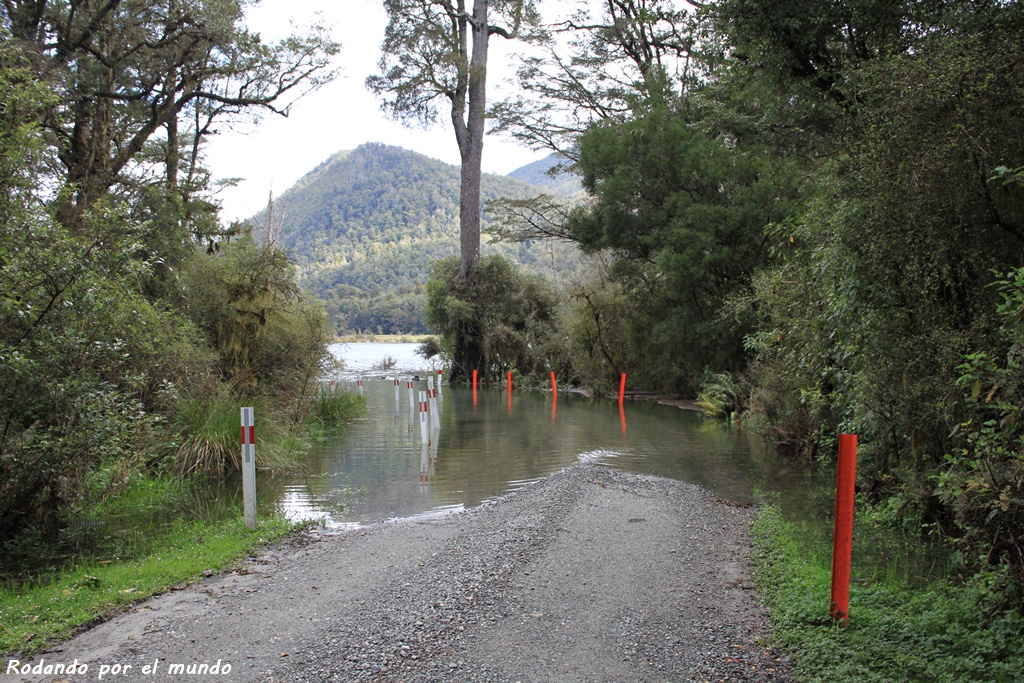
x=590, y=574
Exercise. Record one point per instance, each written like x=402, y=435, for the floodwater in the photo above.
x=498, y=441
x=493, y=442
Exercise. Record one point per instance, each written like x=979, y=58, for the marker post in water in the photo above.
x=435, y=419
x=439, y=392
x=474, y=388
x=248, y=468
x=622, y=388
x=423, y=416
x=398, y=398
x=359, y=382
x=412, y=405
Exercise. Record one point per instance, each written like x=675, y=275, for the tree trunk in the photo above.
x=468, y=352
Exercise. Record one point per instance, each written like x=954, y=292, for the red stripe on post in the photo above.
x=842, y=547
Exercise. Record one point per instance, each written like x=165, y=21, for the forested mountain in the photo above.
x=365, y=225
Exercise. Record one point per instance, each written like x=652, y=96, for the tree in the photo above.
x=600, y=68
x=435, y=49
x=130, y=71
x=514, y=315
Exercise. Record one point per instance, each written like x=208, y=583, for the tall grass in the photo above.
x=206, y=433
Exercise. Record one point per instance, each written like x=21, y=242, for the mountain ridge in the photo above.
x=365, y=224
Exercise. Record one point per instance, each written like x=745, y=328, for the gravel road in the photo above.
x=590, y=574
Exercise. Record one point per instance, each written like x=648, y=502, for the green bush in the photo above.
x=514, y=317
x=983, y=477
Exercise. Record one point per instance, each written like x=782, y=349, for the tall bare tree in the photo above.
x=435, y=51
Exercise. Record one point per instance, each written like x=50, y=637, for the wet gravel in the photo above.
x=590, y=574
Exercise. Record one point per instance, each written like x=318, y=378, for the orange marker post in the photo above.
x=554, y=386
x=622, y=388
x=509, y=375
x=474, y=388
x=842, y=546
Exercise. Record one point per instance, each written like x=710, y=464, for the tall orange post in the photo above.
x=554, y=387
x=510, y=381
x=622, y=388
x=842, y=546
x=474, y=388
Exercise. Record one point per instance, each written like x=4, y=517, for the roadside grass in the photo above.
x=35, y=617
x=938, y=632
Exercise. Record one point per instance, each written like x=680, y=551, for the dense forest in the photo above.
x=365, y=225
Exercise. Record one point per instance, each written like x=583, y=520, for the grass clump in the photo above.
x=205, y=433
x=938, y=632
x=334, y=407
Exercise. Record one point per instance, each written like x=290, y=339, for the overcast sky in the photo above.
x=274, y=153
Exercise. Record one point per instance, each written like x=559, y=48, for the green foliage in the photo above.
x=720, y=394
x=97, y=341
x=938, y=632
x=515, y=316
x=335, y=407
x=879, y=285
x=202, y=431
x=983, y=477
x=245, y=298
x=684, y=212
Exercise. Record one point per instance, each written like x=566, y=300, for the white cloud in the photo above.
x=342, y=115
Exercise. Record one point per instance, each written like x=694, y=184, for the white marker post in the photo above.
x=359, y=382
x=248, y=468
x=398, y=395
x=439, y=392
x=423, y=416
x=412, y=406
x=434, y=418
